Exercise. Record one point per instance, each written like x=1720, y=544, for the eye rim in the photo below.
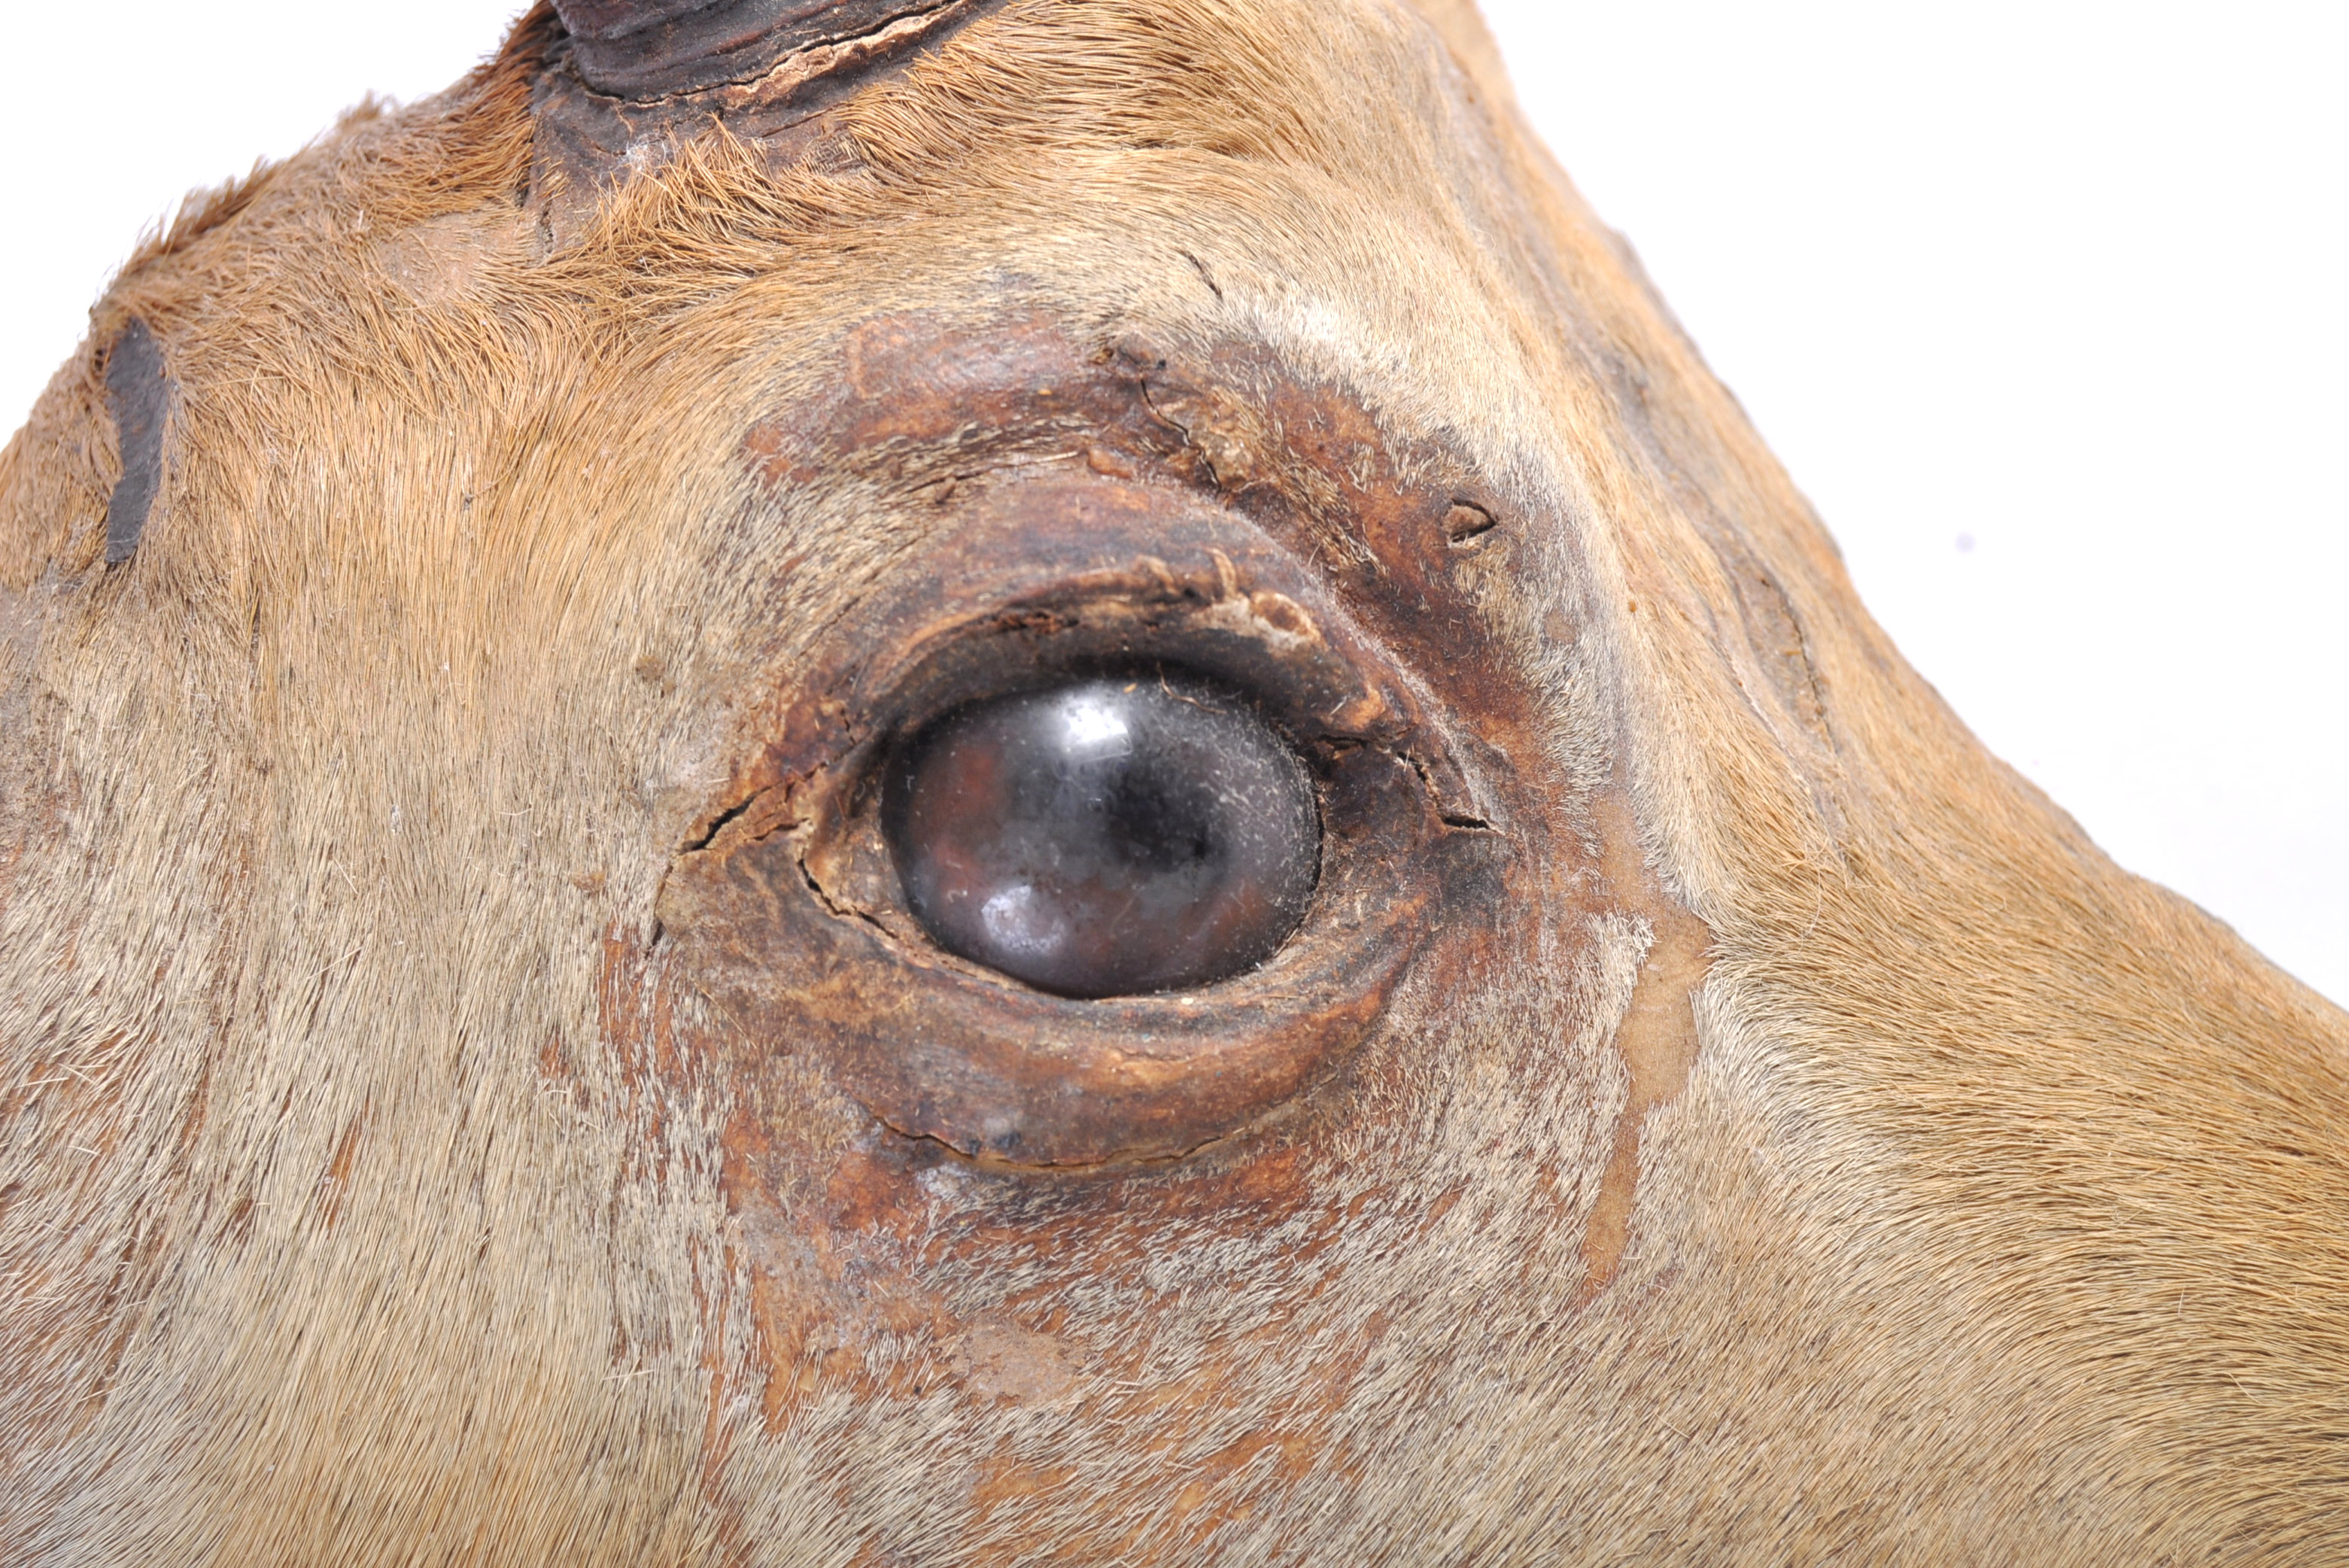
x=1320, y=695
x=793, y=924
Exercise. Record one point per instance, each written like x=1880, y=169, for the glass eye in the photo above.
x=1107, y=837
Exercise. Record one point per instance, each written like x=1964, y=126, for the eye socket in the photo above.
x=1105, y=838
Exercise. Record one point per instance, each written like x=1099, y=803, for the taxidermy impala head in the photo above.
x=986, y=781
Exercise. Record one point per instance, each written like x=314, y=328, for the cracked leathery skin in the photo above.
x=477, y=1089
x=644, y=51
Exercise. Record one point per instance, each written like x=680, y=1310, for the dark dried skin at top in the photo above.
x=138, y=395
x=604, y=110
x=649, y=48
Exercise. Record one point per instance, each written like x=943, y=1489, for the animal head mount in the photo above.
x=1043, y=782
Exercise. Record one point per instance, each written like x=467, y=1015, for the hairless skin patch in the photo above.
x=137, y=394
x=691, y=46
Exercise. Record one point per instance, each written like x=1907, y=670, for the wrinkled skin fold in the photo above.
x=475, y=1092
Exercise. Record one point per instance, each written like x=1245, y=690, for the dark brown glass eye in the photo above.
x=1105, y=838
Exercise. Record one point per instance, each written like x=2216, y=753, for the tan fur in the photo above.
x=355, y=1207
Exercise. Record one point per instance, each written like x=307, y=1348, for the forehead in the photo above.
x=497, y=335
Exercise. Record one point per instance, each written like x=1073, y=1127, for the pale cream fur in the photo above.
x=2004, y=1219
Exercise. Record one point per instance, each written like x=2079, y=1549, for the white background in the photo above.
x=2043, y=304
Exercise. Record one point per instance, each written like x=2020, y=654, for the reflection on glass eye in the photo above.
x=1107, y=837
